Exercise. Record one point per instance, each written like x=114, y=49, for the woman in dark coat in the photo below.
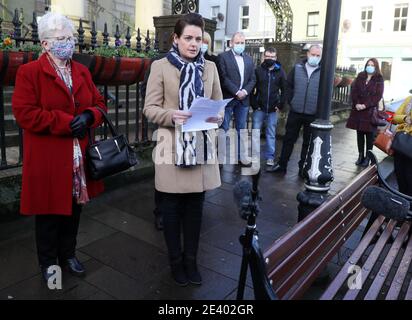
x=367, y=91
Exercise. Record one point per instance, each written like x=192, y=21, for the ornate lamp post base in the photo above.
x=317, y=170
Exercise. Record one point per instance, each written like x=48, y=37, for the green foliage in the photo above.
x=7, y=44
x=121, y=51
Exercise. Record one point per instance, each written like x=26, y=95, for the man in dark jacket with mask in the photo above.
x=268, y=99
x=302, y=95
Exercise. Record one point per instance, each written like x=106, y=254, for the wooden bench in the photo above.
x=292, y=263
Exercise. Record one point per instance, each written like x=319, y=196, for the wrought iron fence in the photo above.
x=125, y=102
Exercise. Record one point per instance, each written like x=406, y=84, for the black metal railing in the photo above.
x=125, y=102
x=341, y=98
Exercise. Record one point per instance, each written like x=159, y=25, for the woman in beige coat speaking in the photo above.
x=185, y=163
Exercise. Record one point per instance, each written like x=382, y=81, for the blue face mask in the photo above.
x=239, y=48
x=314, y=61
x=62, y=50
x=204, y=48
x=370, y=69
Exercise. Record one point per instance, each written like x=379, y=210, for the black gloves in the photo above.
x=80, y=123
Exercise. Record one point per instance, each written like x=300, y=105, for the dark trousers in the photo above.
x=56, y=236
x=157, y=200
x=182, y=211
x=293, y=126
x=403, y=172
x=369, y=137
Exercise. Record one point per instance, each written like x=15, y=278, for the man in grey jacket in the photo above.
x=302, y=95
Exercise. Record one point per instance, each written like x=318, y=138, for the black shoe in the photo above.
x=178, y=273
x=158, y=222
x=277, y=169
x=365, y=162
x=75, y=267
x=191, y=271
x=360, y=159
x=46, y=274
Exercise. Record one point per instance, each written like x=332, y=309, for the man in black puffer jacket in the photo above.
x=268, y=99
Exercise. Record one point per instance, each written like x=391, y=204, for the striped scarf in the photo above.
x=192, y=148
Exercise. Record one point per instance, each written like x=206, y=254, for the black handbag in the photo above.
x=402, y=143
x=379, y=117
x=109, y=156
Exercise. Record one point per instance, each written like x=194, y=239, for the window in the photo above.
x=313, y=24
x=401, y=17
x=366, y=19
x=215, y=16
x=218, y=47
x=244, y=18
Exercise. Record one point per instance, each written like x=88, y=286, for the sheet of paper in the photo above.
x=202, y=109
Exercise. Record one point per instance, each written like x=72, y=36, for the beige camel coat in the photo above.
x=162, y=99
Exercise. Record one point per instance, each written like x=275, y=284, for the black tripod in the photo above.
x=252, y=255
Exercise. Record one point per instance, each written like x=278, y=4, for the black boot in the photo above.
x=191, y=270
x=178, y=272
x=360, y=159
x=365, y=162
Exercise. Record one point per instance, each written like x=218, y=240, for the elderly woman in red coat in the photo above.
x=54, y=102
x=367, y=91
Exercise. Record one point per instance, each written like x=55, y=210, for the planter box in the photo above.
x=114, y=71
x=10, y=61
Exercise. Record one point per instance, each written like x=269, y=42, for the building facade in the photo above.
x=216, y=10
x=368, y=28
x=380, y=29
x=254, y=18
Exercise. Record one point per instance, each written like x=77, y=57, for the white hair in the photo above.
x=238, y=34
x=52, y=22
x=316, y=46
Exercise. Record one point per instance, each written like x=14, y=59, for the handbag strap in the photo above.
x=107, y=121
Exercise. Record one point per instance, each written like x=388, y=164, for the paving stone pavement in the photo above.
x=126, y=257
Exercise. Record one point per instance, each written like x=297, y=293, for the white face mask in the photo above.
x=204, y=48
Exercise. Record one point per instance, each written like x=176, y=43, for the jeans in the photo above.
x=293, y=126
x=56, y=236
x=271, y=120
x=241, y=111
x=181, y=211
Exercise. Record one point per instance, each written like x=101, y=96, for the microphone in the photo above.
x=386, y=203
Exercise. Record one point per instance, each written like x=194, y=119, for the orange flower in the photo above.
x=7, y=41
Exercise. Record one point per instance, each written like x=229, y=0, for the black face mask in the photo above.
x=268, y=63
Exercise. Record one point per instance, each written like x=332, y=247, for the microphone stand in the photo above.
x=246, y=239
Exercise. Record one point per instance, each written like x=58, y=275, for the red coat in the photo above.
x=368, y=94
x=44, y=108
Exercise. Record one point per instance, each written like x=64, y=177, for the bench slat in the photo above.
x=315, y=245
x=341, y=277
x=383, y=272
x=304, y=285
x=300, y=232
x=400, y=276
x=373, y=257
